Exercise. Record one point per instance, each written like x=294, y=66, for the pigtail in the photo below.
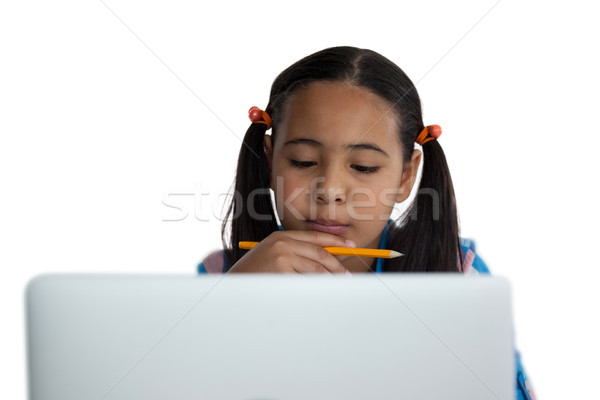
x=250, y=209
x=429, y=230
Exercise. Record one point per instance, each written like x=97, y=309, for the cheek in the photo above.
x=291, y=189
x=294, y=188
x=388, y=187
x=369, y=204
x=375, y=199
x=287, y=180
x=292, y=200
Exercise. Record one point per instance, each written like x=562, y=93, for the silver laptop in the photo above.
x=269, y=337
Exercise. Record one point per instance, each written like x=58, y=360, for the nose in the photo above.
x=329, y=188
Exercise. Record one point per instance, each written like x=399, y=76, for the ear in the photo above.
x=409, y=175
x=269, y=154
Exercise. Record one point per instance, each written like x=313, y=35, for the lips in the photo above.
x=328, y=226
x=328, y=222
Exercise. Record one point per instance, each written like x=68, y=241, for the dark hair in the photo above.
x=427, y=233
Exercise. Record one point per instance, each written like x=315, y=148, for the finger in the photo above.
x=308, y=266
x=316, y=254
x=323, y=239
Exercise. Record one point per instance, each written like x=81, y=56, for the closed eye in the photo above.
x=360, y=168
x=365, y=170
x=302, y=164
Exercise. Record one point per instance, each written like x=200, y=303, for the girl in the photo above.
x=340, y=156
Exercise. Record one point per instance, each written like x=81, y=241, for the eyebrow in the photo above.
x=357, y=146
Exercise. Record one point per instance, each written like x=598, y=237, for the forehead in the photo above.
x=337, y=115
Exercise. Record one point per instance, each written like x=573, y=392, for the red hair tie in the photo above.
x=259, y=116
x=434, y=131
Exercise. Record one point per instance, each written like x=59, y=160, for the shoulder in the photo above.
x=472, y=263
x=215, y=262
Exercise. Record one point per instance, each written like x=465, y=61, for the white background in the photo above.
x=107, y=108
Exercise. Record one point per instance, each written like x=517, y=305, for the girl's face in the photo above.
x=337, y=160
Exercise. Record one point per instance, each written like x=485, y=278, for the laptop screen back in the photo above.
x=269, y=336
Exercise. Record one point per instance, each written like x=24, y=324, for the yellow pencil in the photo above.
x=344, y=251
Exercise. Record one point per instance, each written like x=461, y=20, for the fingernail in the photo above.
x=350, y=243
x=347, y=273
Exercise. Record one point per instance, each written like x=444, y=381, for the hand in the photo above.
x=295, y=251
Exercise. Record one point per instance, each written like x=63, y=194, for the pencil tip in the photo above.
x=394, y=254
